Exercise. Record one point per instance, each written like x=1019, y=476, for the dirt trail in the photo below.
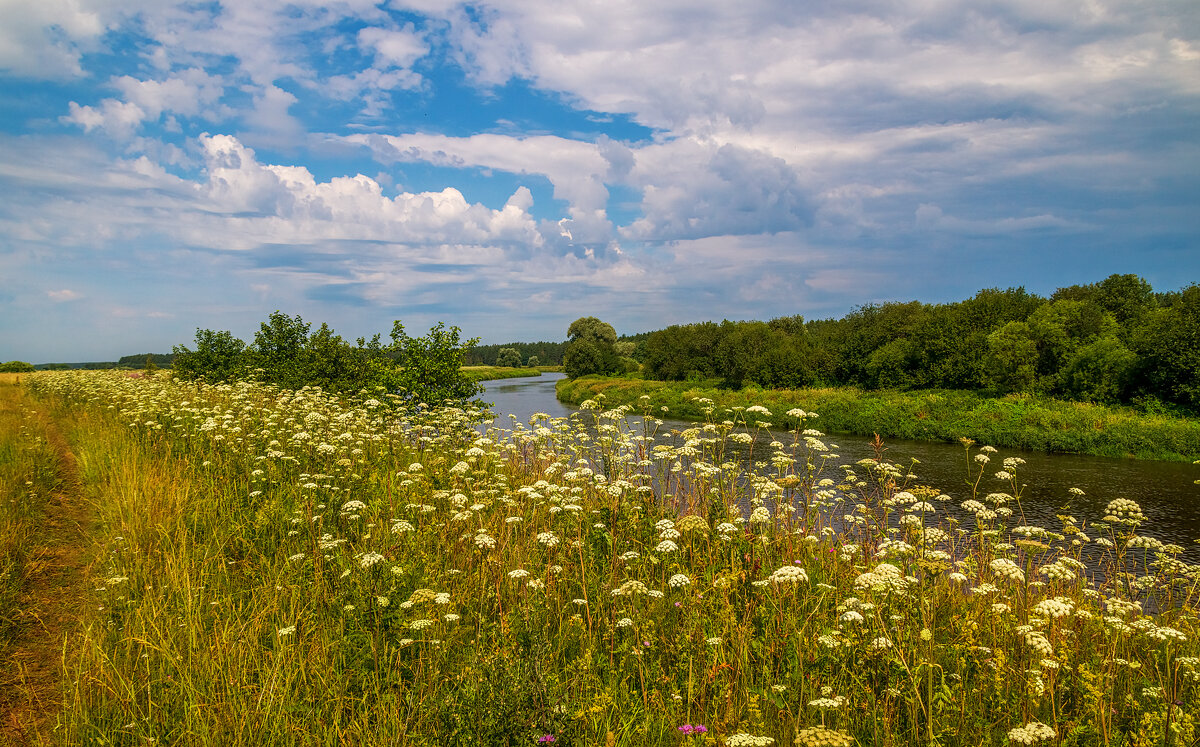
x=48, y=608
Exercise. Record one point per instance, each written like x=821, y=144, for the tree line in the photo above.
x=1114, y=341
x=516, y=354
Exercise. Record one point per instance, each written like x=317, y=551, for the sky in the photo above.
x=507, y=167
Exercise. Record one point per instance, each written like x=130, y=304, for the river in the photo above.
x=1166, y=491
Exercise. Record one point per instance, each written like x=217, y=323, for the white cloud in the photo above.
x=44, y=39
x=393, y=48
x=65, y=294
x=575, y=168
x=118, y=119
x=190, y=93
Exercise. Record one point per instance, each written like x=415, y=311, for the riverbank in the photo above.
x=1015, y=421
x=492, y=373
x=338, y=575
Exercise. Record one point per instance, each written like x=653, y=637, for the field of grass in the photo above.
x=490, y=373
x=1016, y=421
x=291, y=568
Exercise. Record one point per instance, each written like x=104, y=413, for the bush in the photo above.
x=424, y=369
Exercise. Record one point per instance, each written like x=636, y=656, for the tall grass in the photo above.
x=1015, y=421
x=291, y=568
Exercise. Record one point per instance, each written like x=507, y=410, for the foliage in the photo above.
x=509, y=357
x=16, y=367
x=547, y=353
x=1168, y=346
x=286, y=354
x=139, y=360
x=591, y=348
x=316, y=571
x=1115, y=341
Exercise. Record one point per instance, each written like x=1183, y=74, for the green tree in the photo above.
x=278, y=350
x=1012, y=358
x=533, y=362
x=1169, y=350
x=16, y=367
x=430, y=367
x=1100, y=371
x=591, y=348
x=509, y=357
x=219, y=356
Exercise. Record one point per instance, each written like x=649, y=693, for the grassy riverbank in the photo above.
x=292, y=568
x=490, y=373
x=1016, y=421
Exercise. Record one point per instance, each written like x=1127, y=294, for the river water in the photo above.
x=1165, y=490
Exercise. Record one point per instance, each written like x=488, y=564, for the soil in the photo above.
x=31, y=673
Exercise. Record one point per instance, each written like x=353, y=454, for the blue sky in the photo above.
x=507, y=167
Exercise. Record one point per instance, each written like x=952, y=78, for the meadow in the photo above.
x=270, y=566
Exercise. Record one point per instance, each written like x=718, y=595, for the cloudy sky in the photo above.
x=509, y=166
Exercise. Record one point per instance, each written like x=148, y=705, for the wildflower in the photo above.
x=714, y=641
x=549, y=539
x=1167, y=634
x=690, y=729
x=1005, y=568
x=284, y=632
x=624, y=622
x=1031, y=733
x=679, y=580
x=819, y=736
x=741, y=739
x=1124, y=511
x=789, y=574
x=546, y=739
x=518, y=573
x=382, y=601
x=666, y=546
x=1059, y=607
x=850, y=616
x=370, y=558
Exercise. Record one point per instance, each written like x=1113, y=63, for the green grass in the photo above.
x=489, y=373
x=1015, y=421
x=290, y=568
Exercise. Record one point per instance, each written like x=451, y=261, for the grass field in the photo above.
x=275, y=567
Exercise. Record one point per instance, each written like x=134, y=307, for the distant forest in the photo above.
x=1115, y=341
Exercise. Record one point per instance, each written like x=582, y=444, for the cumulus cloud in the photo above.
x=45, y=39
x=65, y=294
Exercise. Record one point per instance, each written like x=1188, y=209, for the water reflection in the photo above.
x=1165, y=490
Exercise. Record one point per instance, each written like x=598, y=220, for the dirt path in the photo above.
x=47, y=609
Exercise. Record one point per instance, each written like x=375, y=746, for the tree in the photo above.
x=1169, y=350
x=591, y=329
x=1012, y=357
x=16, y=367
x=219, y=356
x=1100, y=371
x=591, y=348
x=430, y=367
x=509, y=357
x=533, y=362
